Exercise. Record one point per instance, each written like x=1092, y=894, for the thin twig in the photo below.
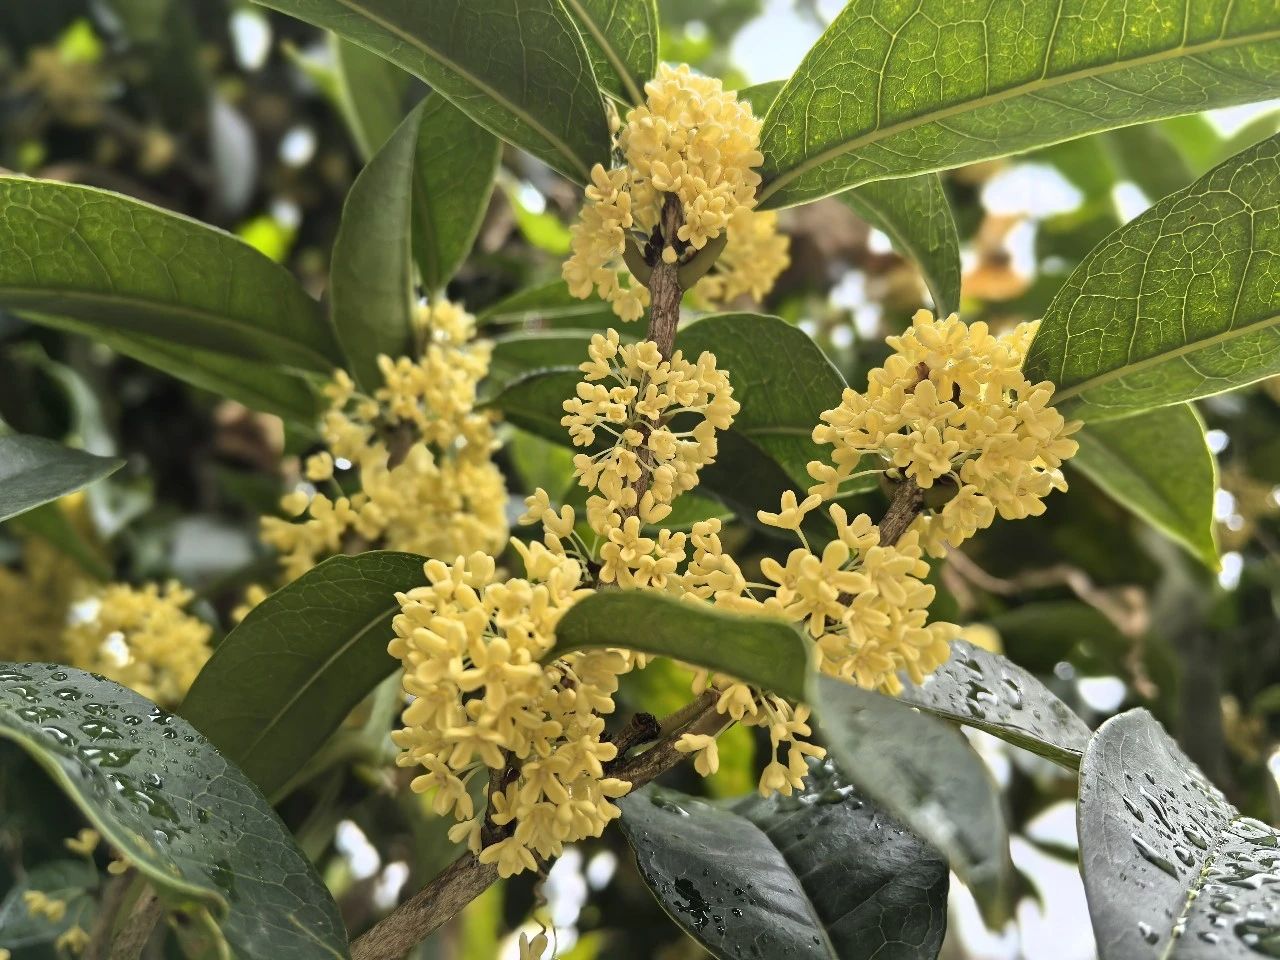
x=137, y=928
x=113, y=897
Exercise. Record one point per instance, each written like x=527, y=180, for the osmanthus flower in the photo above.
x=141, y=637
x=951, y=410
x=417, y=454
x=35, y=596
x=696, y=142
x=472, y=644
x=751, y=262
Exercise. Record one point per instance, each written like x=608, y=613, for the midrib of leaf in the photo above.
x=311, y=680
x=151, y=306
x=612, y=55
x=1193, y=892
x=479, y=84
x=968, y=106
x=1129, y=368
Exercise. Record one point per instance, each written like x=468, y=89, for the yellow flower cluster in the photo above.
x=751, y=262
x=632, y=396
x=34, y=599
x=427, y=481
x=140, y=637
x=471, y=646
x=692, y=140
x=951, y=409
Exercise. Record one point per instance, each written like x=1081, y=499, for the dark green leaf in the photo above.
x=549, y=305
x=768, y=653
x=287, y=676
x=1178, y=304
x=533, y=401
x=121, y=264
x=821, y=875
x=992, y=693
x=916, y=216
x=372, y=94
x=34, y=470
x=923, y=772
x=1172, y=870
x=453, y=179
x=371, y=276
x=50, y=523
x=188, y=820
x=72, y=881
x=1159, y=465
x=896, y=89
x=622, y=38
x=517, y=67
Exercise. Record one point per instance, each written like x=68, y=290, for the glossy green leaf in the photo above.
x=1171, y=869
x=532, y=401
x=1180, y=303
x=453, y=178
x=768, y=653
x=781, y=378
x=989, y=692
x=371, y=92
x=187, y=819
x=622, y=38
x=895, y=89
x=34, y=471
x=549, y=305
x=517, y=67
x=923, y=772
x=371, y=276
x=1158, y=464
x=121, y=264
x=287, y=676
x=259, y=386
x=820, y=875
x=914, y=213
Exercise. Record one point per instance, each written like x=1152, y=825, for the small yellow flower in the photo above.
x=792, y=514
x=73, y=940
x=529, y=949
x=40, y=904
x=706, y=758
x=84, y=842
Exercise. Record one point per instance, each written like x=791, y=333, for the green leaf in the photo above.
x=779, y=375
x=768, y=653
x=73, y=881
x=371, y=277
x=622, y=38
x=188, y=820
x=121, y=264
x=453, y=180
x=916, y=216
x=923, y=772
x=1157, y=464
x=549, y=305
x=259, y=386
x=1171, y=869
x=371, y=92
x=516, y=67
x=992, y=693
x=1149, y=157
x=34, y=471
x=896, y=89
x=533, y=401
x=50, y=523
x=821, y=875
x=287, y=676
x=1180, y=303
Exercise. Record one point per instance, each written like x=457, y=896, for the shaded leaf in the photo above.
x=72, y=881
x=1157, y=464
x=895, y=89
x=1182, y=302
x=923, y=772
x=371, y=275
x=371, y=92
x=116, y=263
x=768, y=653
x=188, y=820
x=1171, y=869
x=549, y=305
x=287, y=676
x=454, y=170
x=622, y=38
x=992, y=693
x=35, y=471
x=517, y=67
x=821, y=875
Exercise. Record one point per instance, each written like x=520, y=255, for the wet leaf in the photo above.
x=896, y=89
x=35, y=471
x=1172, y=870
x=188, y=820
x=287, y=676
x=821, y=875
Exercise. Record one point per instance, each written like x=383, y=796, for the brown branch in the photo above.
x=904, y=507
x=137, y=929
x=113, y=897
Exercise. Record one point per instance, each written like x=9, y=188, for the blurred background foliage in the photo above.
x=228, y=113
